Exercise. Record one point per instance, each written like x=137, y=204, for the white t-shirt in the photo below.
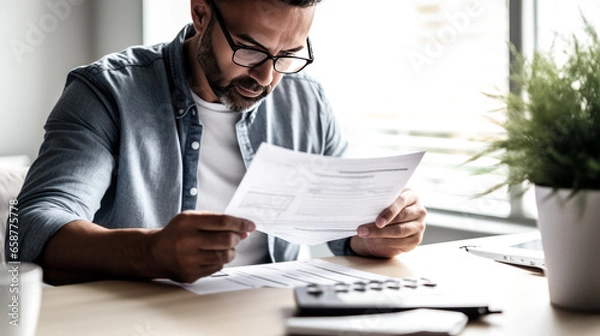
x=220, y=171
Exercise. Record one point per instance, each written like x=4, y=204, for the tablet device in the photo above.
x=521, y=250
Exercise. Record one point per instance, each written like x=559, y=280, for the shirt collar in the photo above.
x=180, y=78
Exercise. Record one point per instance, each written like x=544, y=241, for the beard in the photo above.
x=226, y=92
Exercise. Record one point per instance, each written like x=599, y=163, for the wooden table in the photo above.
x=142, y=309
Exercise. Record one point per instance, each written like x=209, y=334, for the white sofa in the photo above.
x=11, y=180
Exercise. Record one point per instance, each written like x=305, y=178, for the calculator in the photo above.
x=393, y=295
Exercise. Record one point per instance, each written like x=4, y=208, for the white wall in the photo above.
x=40, y=42
x=163, y=19
x=118, y=24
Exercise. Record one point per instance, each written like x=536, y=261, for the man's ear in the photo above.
x=201, y=14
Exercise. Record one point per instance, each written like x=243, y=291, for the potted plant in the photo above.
x=552, y=141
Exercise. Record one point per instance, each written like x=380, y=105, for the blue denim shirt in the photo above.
x=117, y=149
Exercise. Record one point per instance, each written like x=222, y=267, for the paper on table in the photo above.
x=311, y=199
x=411, y=322
x=278, y=275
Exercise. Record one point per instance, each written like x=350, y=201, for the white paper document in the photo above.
x=278, y=275
x=311, y=199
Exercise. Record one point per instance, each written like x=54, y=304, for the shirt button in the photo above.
x=180, y=112
x=194, y=191
x=195, y=145
x=193, y=113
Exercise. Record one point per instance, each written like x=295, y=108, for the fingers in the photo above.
x=398, y=210
x=407, y=222
x=207, y=241
x=196, y=263
x=399, y=228
x=389, y=241
x=396, y=230
x=215, y=240
x=207, y=221
x=196, y=244
x=210, y=258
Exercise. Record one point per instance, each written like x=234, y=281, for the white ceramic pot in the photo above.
x=570, y=230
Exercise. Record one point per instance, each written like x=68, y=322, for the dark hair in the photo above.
x=300, y=3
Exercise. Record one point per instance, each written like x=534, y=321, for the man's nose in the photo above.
x=263, y=74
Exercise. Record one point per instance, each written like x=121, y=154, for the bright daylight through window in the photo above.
x=410, y=75
x=407, y=76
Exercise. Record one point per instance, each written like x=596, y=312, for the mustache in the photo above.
x=249, y=83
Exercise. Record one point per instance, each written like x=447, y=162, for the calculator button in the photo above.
x=410, y=284
x=341, y=287
x=359, y=286
x=375, y=285
x=428, y=283
x=314, y=291
x=392, y=284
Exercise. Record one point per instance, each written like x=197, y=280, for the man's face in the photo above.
x=265, y=25
x=229, y=92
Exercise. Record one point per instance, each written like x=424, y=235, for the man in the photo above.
x=145, y=148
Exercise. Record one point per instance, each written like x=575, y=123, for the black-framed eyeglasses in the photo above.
x=249, y=57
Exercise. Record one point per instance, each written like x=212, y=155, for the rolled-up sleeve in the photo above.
x=69, y=179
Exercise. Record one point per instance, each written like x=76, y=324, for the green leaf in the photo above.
x=553, y=130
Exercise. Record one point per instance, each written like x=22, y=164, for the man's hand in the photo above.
x=399, y=228
x=196, y=244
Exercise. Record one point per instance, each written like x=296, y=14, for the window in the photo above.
x=557, y=20
x=408, y=76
